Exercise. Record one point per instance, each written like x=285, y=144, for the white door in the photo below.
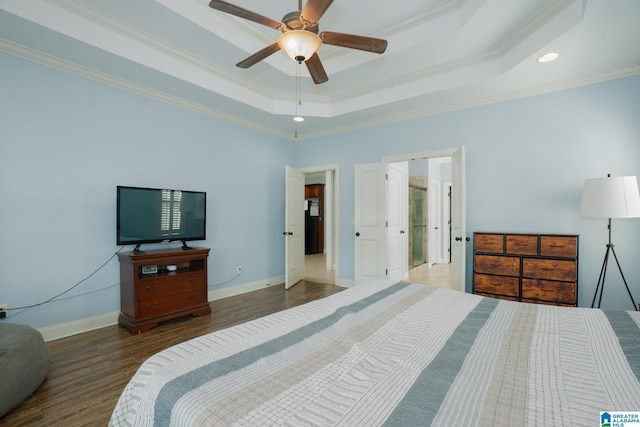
x=435, y=221
x=370, y=256
x=294, y=227
x=458, y=220
x=398, y=219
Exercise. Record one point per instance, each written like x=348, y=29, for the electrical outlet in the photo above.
x=239, y=272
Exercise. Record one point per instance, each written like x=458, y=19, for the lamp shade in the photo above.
x=300, y=45
x=613, y=197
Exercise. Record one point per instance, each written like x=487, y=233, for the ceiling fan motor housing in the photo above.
x=293, y=21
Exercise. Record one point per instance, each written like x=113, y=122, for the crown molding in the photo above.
x=476, y=102
x=100, y=19
x=72, y=68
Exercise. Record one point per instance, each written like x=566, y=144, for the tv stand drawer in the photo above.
x=169, y=284
x=162, y=305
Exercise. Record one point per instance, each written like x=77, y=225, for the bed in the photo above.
x=402, y=354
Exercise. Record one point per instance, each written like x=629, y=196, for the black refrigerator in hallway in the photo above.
x=311, y=233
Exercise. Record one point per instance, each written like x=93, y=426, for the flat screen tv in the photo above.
x=154, y=215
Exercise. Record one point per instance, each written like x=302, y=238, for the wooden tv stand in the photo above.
x=149, y=298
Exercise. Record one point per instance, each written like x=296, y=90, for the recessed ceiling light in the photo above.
x=298, y=119
x=548, y=57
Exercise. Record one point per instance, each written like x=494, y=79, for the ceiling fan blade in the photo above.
x=368, y=44
x=244, y=13
x=258, y=56
x=314, y=9
x=318, y=74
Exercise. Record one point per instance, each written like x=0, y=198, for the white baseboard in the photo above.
x=63, y=330
x=244, y=288
x=345, y=283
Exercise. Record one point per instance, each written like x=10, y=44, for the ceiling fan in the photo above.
x=300, y=38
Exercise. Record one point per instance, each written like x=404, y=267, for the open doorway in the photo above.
x=320, y=226
x=372, y=237
x=429, y=221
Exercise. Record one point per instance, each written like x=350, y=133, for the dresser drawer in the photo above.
x=490, y=243
x=539, y=301
x=495, y=264
x=549, y=269
x=158, y=306
x=501, y=285
x=561, y=292
x=518, y=244
x=157, y=286
x=559, y=246
x=505, y=297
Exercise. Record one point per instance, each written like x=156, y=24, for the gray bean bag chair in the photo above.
x=24, y=364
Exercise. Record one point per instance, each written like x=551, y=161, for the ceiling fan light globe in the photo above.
x=300, y=45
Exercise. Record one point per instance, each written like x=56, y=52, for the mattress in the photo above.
x=384, y=353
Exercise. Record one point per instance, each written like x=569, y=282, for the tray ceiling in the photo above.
x=442, y=55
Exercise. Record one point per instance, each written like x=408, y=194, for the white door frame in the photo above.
x=458, y=265
x=446, y=219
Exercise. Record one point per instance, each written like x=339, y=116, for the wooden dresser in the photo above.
x=537, y=268
x=160, y=285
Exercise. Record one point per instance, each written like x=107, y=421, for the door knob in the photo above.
x=458, y=239
x=401, y=231
x=287, y=233
x=358, y=234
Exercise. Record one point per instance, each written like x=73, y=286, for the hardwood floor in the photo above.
x=90, y=370
x=437, y=275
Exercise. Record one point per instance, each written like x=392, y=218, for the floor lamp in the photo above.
x=611, y=197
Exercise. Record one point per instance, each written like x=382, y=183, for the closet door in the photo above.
x=370, y=208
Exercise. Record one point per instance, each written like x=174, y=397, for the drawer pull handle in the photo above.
x=547, y=269
x=152, y=307
x=556, y=246
x=152, y=289
x=496, y=265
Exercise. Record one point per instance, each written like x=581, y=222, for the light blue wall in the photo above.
x=67, y=142
x=526, y=161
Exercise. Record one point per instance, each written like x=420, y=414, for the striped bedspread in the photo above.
x=396, y=354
